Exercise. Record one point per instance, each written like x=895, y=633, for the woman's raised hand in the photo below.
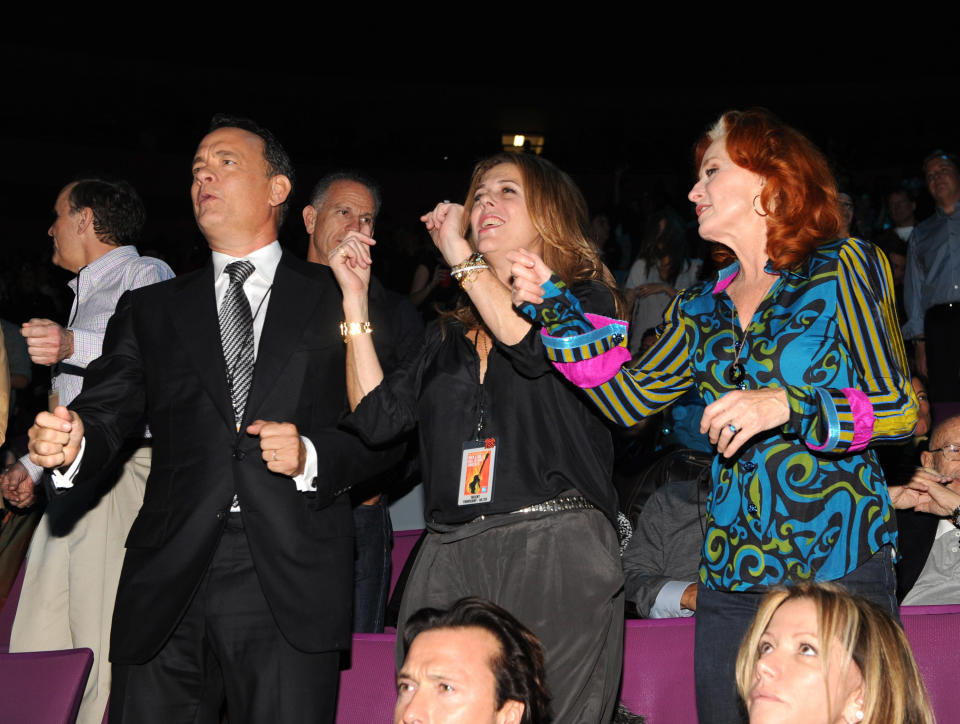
x=350, y=261
x=528, y=274
x=443, y=225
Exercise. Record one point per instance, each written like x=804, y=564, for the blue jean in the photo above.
x=723, y=618
x=371, y=565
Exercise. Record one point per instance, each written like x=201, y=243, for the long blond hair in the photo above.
x=893, y=688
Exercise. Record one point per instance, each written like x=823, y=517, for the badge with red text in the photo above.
x=476, y=471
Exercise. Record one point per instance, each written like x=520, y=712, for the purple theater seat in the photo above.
x=934, y=635
x=9, y=610
x=658, y=670
x=368, y=689
x=43, y=687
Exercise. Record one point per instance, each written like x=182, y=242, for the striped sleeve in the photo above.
x=883, y=406
x=661, y=376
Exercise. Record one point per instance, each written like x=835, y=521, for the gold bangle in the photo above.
x=467, y=278
x=472, y=263
x=352, y=329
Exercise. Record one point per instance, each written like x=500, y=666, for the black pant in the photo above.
x=227, y=647
x=723, y=618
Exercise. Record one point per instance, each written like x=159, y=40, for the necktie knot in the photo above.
x=239, y=271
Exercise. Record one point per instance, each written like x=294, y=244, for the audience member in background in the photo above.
x=935, y=540
x=659, y=272
x=344, y=203
x=662, y=561
x=474, y=663
x=848, y=222
x=75, y=557
x=901, y=208
x=817, y=655
x=896, y=250
x=932, y=281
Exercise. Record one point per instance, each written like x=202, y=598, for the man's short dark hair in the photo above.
x=518, y=668
x=118, y=212
x=323, y=186
x=940, y=153
x=278, y=162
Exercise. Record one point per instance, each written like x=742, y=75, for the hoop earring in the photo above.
x=754, y=204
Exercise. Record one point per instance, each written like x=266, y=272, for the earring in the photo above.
x=755, y=206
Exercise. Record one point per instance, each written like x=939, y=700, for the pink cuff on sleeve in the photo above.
x=863, y=418
x=594, y=371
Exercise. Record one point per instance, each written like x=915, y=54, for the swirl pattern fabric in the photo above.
x=808, y=500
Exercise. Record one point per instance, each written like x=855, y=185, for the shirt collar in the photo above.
x=726, y=275
x=265, y=261
x=103, y=263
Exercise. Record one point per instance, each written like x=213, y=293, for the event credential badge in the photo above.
x=476, y=471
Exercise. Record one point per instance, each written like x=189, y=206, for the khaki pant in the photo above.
x=71, y=582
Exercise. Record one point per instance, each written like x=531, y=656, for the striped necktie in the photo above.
x=236, y=336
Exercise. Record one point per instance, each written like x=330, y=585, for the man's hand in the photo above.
x=937, y=494
x=689, y=598
x=17, y=485
x=47, y=342
x=55, y=438
x=283, y=450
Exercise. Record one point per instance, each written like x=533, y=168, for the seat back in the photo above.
x=658, y=670
x=368, y=689
x=43, y=687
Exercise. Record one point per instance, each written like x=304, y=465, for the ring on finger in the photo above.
x=274, y=455
x=733, y=428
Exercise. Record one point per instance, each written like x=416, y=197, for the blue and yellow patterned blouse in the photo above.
x=808, y=500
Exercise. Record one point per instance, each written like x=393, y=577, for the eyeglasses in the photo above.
x=951, y=451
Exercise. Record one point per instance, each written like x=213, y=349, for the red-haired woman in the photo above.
x=795, y=348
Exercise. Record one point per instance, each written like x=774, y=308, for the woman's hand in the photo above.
x=739, y=415
x=350, y=261
x=443, y=225
x=528, y=274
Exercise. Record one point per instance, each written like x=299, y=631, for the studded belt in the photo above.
x=554, y=505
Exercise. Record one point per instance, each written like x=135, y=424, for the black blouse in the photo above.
x=549, y=437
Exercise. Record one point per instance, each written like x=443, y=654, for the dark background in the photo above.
x=624, y=118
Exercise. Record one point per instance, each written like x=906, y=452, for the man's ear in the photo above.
x=926, y=459
x=280, y=188
x=309, y=218
x=84, y=219
x=511, y=712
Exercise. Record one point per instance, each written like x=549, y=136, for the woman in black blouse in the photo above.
x=518, y=498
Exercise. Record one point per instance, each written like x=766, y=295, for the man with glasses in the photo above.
x=935, y=488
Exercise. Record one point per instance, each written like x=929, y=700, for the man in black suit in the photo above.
x=238, y=574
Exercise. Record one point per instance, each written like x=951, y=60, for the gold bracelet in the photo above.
x=472, y=263
x=352, y=329
x=466, y=279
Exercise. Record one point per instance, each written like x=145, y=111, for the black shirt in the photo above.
x=549, y=438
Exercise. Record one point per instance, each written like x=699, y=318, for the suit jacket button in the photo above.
x=220, y=515
x=238, y=454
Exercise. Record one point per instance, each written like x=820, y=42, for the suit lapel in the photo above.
x=194, y=317
x=292, y=304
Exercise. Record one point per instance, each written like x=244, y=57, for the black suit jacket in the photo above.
x=162, y=355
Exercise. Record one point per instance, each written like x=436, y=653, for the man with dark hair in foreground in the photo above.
x=474, y=663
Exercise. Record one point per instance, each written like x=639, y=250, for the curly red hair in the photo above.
x=800, y=194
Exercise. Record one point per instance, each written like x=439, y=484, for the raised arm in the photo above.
x=488, y=293
x=350, y=262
